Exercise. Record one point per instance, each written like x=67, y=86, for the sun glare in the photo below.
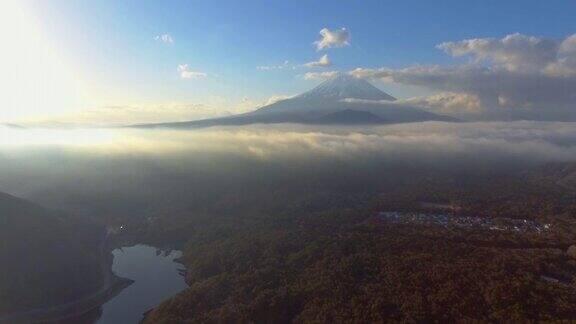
x=37, y=77
x=21, y=138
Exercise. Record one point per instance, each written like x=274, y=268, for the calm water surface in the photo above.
x=156, y=279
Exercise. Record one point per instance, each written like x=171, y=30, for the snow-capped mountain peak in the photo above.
x=343, y=86
x=326, y=105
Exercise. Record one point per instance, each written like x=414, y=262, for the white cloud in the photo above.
x=186, y=73
x=443, y=103
x=520, y=53
x=324, y=61
x=333, y=38
x=275, y=98
x=248, y=104
x=535, y=95
x=515, y=52
x=525, y=78
x=284, y=66
x=447, y=103
x=566, y=59
x=164, y=38
x=320, y=75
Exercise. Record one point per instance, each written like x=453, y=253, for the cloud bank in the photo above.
x=428, y=141
x=131, y=170
x=320, y=75
x=520, y=53
x=516, y=77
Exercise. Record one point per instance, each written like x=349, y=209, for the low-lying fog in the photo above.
x=134, y=167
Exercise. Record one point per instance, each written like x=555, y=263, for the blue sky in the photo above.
x=111, y=44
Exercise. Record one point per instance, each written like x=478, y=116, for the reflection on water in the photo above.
x=155, y=276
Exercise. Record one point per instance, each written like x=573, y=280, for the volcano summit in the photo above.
x=340, y=100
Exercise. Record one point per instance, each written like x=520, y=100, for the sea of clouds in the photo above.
x=40, y=162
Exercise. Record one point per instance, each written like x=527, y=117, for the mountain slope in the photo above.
x=562, y=174
x=47, y=257
x=349, y=117
x=340, y=93
x=344, y=86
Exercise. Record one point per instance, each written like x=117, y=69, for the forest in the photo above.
x=48, y=257
x=325, y=257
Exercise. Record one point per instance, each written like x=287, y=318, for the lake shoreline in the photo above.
x=157, y=275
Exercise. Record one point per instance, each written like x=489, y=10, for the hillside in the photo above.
x=561, y=174
x=47, y=257
x=348, y=117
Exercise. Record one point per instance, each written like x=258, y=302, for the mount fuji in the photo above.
x=340, y=100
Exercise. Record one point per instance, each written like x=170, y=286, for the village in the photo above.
x=473, y=222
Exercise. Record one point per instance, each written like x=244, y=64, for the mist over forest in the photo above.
x=136, y=164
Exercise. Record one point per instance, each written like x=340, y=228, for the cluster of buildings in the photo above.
x=446, y=220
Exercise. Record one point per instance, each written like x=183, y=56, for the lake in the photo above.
x=156, y=278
